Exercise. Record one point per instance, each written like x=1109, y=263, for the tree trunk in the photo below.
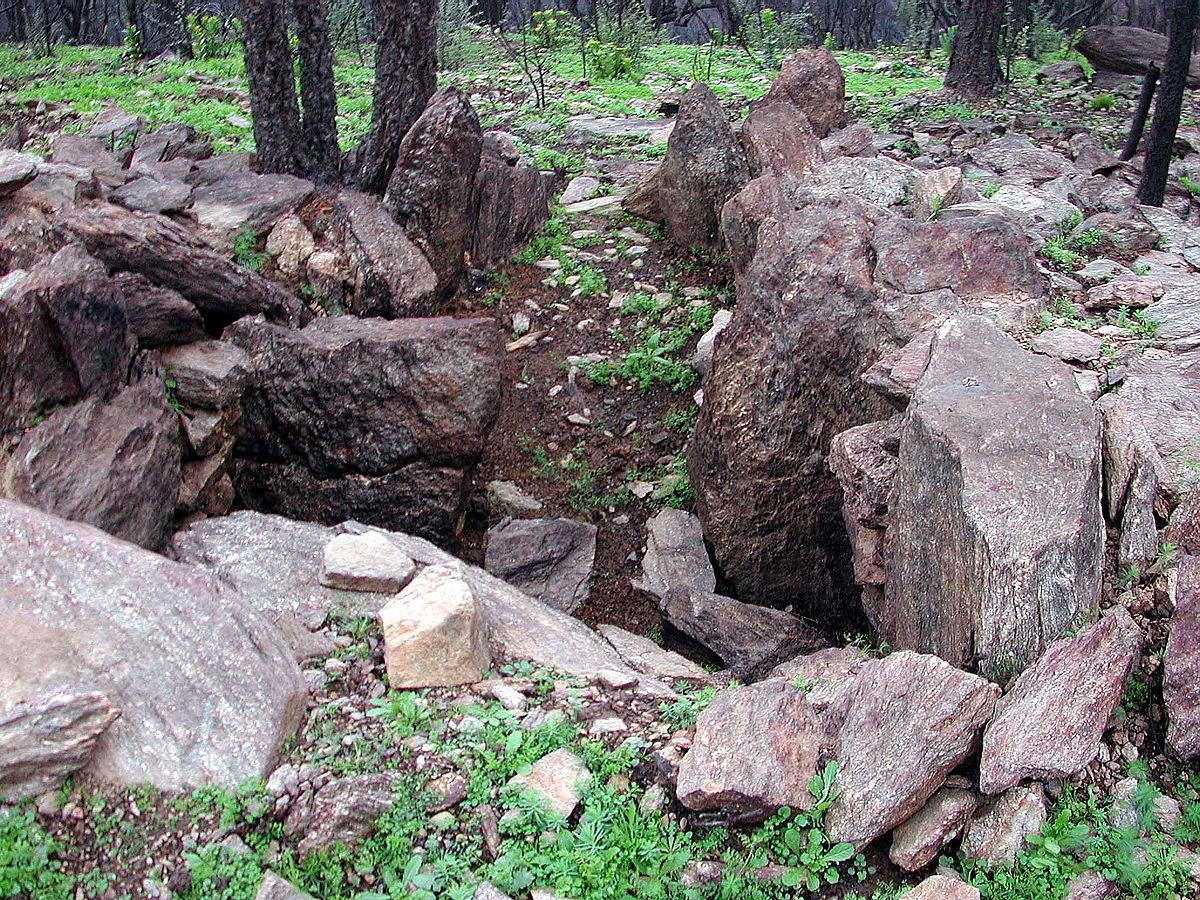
x=1170, y=102
x=405, y=79
x=273, y=107
x=166, y=29
x=318, y=96
x=975, y=58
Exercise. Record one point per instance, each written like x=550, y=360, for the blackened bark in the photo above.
x=1140, y=112
x=318, y=96
x=975, y=59
x=1170, y=101
x=405, y=79
x=273, y=107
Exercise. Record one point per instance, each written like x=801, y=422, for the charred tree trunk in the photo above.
x=166, y=29
x=405, y=79
x=273, y=107
x=1170, y=101
x=318, y=96
x=975, y=58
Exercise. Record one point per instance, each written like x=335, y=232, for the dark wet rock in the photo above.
x=158, y=316
x=549, y=559
x=207, y=374
x=366, y=418
x=110, y=463
x=705, y=165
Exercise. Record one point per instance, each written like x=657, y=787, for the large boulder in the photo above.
x=114, y=464
x=367, y=419
x=705, y=165
x=812, y=82
x=1004, y=446
x=1127, y=50
x=784, y=381
x=550, y=559
x=1049, y=724
x=431, y=186
x=912, y=719
x=63, y=335
x=754, y=751
x=1181, y=664
x=85, y=612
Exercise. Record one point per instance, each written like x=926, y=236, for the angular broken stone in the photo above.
x=644, y=655
x=1181, y=664
x=558, y=780
x=749, y=639
x=998, y=832
x=812, y=82
x=549, y=559
x=16, y=171
x=917, y=842
x=1049, y=724
x=272, y=887
x=365, y=562
x=1001, y=442
x=1068, y=344
x=912, y=719
x=754, y=751
x=826, y=677
x=942, y=887
x=343, y=811
x=208, y=374
x=44, y=741
x=675, y=554
x=435, y=633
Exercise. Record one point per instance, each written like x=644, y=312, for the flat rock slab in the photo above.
x=754, y=751
x=1001, y=442
x=550, y=559
x=365, y=562
x=153, y=196
x=44, y=741
x=646, y=656
x=1181, y=663
x=73, y=600
x=1049, y=724
x=942, y=887
x=912, y=719
x=917, y=842
x=675, y=554
x=248, y=202
x=1068, y=344
x=558, y=780
x=749, y=639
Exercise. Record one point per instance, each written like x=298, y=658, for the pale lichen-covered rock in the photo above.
x=646, y=656
x=996, y=534
x=75, y=601
x=942, y=887
x=434, y=632
x=675, y=554
x=918, y=841
x=1049, y=724
x=365, y=562
x=754, y=751
x=558, y=780
x=912, y=719
x=998, y=831
x=45, y=740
